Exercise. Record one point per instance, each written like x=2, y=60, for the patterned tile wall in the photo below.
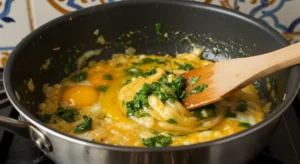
x=19, y=17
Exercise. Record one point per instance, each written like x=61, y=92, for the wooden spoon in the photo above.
x=225, y=77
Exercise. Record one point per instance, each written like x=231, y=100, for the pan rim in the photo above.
x=295, y=74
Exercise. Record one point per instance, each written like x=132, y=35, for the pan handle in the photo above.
x=21, y=127
x=28, y=131
x=15, y=126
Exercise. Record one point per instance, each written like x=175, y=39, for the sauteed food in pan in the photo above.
x=135, y=100
x=116, y=110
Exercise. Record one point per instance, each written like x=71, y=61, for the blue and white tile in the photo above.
x=14, y=25
x=283, y=15
x=46, y=10
x=231, y=4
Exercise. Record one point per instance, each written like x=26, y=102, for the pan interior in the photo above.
x=134, y=25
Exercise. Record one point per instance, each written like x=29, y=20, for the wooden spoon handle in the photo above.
x=284, y=57
x=259, y=66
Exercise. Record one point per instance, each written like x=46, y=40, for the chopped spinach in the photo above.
x=242, y=53
x=107, y=77
x=46, y=118
x=140, y=99
x=164, y=79
x=205, y=112
x=85, y=126
x=152, y=72
x=177, y=85
x=194, y=81
x=230, y=114
x=68, y=65
x=274, y=84
x=170, y=72
x=242, y=106
x=149, y=61
x=127, y=82
x=79, y=77
x=121, y=37
x=172, y=121
x=67, y=114
x=138, y=72
x=157, y=141
x=185, y=66
x=162, y=93
x=199, y=89
x=102, y=88
x=244, y=125
x=162, y=39
x=216, y=51
x=158, y=28
x=144, y=115
x=164, y=90
x=133, y=71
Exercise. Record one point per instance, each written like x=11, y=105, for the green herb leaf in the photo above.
x=170, y=72
x=230, y=114
x=274, y=84
x=205, y=112
x=244, y=125
x=216, y=51
x=149, y=61
x=79, y=77
x=242, y=53
x=199, y=89
x=172, y=121
x=140, y=99
x=68, y=65
x=127, y=82
x=152, y=72
x=46, y=118
x=194, y=80
x=177, y=85
x=185, y=66
x=163, y=39
x=85, y=126
x=158, y=141
x=107, y=77
x=67, y=114
x=121, y=37
x=144, y=115
x=133, y=71
x=102, y=88
x=242, y=106
x=163, y=89
x=158, y=28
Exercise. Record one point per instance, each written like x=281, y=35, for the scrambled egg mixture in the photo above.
x=134, y=100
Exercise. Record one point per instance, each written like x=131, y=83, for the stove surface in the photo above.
x=283, y=146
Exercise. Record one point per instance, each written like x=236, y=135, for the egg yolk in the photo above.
x=79, y=96
x=96, y=78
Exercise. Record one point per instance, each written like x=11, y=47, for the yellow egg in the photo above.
x=79, y=96
x=96, y=78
